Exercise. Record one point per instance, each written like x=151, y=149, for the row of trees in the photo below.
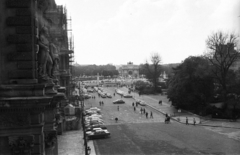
x=91, y=70
x=200, y=80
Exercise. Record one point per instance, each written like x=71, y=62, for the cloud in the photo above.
x=174, y=28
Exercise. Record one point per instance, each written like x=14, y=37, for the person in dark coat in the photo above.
x=151, y=115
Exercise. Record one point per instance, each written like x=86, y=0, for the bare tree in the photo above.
x=222, y=55
x=153, y=70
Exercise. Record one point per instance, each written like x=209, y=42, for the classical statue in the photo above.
x=45, y=61
x=54, y=54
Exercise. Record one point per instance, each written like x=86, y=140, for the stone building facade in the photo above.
x=35, y=75
x=129, y=71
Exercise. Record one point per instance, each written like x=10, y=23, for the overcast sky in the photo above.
x=119, y=31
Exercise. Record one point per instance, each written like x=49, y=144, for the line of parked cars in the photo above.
x=122, y=93
x=103, y=94
x=94, y=124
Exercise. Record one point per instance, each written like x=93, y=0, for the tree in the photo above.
x=222, y=55
x=153, y=71
x=90, y=70
x=191, y=86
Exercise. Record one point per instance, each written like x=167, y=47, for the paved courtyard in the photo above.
x=136, y=134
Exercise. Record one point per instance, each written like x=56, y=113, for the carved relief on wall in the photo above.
x=50, y=139
x=45, y=61
x=21, y=145
x=13, y=119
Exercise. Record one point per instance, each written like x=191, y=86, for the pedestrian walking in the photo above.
x=151, y=115
x=194, y=121
x=118, y=108
x=133, y=104
x=166, y=115
x=146, y=114
x=134, y=108
x=88, y=150
x=160, y=102
x=116, y=119
x=100, y=103
x=141, y=110
x=144, y=110
x=186, y=121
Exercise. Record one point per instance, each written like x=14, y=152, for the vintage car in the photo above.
x=98, y=133
x=127, y=95
x=118, y=101
x=109, y=95
x=96, y=127
x=87, y=96
x=140, y=102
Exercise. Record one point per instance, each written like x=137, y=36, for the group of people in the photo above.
x=194, y=121
x=101, y=103
x=142, y=110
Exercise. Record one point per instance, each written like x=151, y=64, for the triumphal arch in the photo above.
x=129, y=70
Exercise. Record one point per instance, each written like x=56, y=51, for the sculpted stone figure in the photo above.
x=54, y=54
x=44, y=59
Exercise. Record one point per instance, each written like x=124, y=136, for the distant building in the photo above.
x=129, y=71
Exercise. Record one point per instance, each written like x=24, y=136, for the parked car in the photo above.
x=100, y=133
x=95, y=108
x=109, y=95
x=94, y=128
x=89, y=90
x=87, y=96
x=127, y=95
x=140, y=102
x=103, y=95
x=118, y=101
x=119, y=92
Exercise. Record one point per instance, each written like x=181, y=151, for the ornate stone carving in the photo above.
x=14, y=119
x=50, y=139
x=21, y=145
x=45, y=61
x=49, y=90
x=54, y=53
